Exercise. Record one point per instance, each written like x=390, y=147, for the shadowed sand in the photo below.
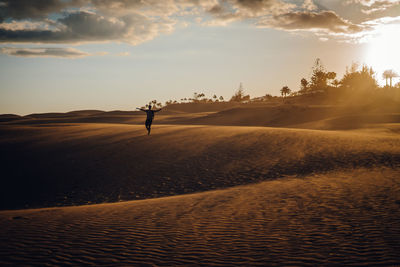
x=338, y=218
x=71, y=164
x=286, y=196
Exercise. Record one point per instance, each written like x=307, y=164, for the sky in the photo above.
x=64, y=55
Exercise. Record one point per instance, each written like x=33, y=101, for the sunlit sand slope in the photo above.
x=340, y=218
x=71, y=164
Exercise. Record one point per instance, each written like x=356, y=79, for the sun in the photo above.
x=383, y=51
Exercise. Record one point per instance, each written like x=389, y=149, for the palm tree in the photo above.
x=389, y=74
x=285, y=91
x=386, y=75
x=304, y=85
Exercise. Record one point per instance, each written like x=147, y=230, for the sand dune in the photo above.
x=202, y=195
x=322, y=117
x=340, y=218
x=299, y=116
x=70, y=164
x=8, y=117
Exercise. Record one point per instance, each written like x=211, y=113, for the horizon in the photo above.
x=119, y=55
x=273, y=136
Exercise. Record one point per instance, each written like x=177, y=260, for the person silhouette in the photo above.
x=150, y=117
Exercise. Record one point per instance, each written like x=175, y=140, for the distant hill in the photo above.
x=288, y=113
x=8, y=117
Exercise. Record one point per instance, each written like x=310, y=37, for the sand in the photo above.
x=205, y=195
x=337, y=219
x=73, y=164
x=289, y=114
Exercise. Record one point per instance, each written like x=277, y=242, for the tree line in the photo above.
x=357, y=80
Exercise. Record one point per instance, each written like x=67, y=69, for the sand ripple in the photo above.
x=341, y=218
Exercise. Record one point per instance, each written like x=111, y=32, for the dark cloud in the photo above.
x=44, y=52
x=222, y=15
x=216, y=9
x=32, y=9
x=324, y=20
x=256, y=4
x=89, y=27
x=36, y=9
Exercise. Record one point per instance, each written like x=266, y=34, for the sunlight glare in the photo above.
x=383, y=51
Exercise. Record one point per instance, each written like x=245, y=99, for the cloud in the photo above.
x=25, y=25
x=44, y=52
x=373, y=6
x=80, y=21
x=261, y=7
x=378, y=26
x=85, y=26
x=222, y=16
x=22, y=9
x=372, y=30
x=150, y=7
x=228, y=11
x=309, y=5
x=370, y=3
x=138, y=21
x=327, y=21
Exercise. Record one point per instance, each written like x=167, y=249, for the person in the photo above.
x=150, y=117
